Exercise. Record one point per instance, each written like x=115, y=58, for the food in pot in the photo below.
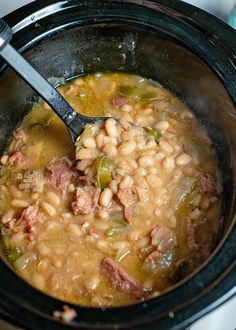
x=124, y=214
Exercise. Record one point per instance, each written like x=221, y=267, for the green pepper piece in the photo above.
x=127, y=90
x=184, y=196
x=115, y=231
x=117, y=216
x=104, y=167
x=14, y=254
x=150, y=96
x=153, y=132
x=88, y=131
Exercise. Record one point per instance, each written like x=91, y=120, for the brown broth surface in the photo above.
x=168, y=169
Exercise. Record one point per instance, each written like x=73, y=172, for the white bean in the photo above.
x=75, y=229
x=85, y=153
x=49, y=209
x=100, y=140
x=35, y=196
x=168, y=163
x=147, y=111
x=152, y=170
x=101, y=224
x=142, y=194
x=43, y=249
x=162, y=125
x=146, y=161
x=159, y=156
x=90, y=143
x=19, y=203
x=53, y=198
x=102, y=214
x=120, y=245
x=7, y=216
x=110, y=126
x=165, y=146
x=126, y=182
x=127, y=147
x=17, y=239
x=110, y=149
x=4, y=159
x=141, y=171
x=113, y=186
x=135, y=234
x=151, y=144
x=105, y=197
x=103, y=246
x=16, y=193
x=153, y=181
x=126, y=108
x=38, y=280
x=183, y=159
x=91, y=283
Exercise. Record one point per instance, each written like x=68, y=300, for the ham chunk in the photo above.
x=207, y=184
x=121, y=279
x=164, y=238
x=26, y=157
x=126, y=197
x=128, y=214
x=29, y=217
x=15, y=158
x=210, y=185
x=86, y=200
x=119, y=101
x=59, y=174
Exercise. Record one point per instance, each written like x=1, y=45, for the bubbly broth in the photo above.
x=124, y=214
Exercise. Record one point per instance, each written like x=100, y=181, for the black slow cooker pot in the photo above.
x=188, y=51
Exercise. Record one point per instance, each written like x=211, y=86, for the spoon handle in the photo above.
x=34, y=79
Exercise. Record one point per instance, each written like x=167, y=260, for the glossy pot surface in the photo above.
x=188, y=51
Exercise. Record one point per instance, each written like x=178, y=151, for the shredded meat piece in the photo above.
x=15, y=158
x=26, y=158
x=164, y=238
x=126, y=197
x=207, y=184
x=128, y=214
x=33, y=180
x=119, y=101
x=121, y=279
x=19, y=140
x=29, y=218
x=86, y=200
x=185, y=147
x=59, y=174
x=85, y=179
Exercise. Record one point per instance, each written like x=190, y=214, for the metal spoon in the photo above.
x=74, y=121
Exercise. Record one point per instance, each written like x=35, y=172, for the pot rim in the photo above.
x=222, y=288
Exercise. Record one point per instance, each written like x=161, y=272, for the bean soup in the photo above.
x=123, y=215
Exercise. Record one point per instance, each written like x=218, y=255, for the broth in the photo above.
x=124, y=216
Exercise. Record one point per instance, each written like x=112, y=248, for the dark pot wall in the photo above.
x=178, y=48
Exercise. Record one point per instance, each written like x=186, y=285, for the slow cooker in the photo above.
x=189, y=52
